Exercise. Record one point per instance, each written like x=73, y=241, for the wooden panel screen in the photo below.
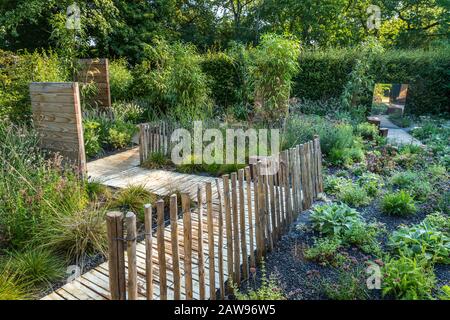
x=57, y=118
x=97, y=71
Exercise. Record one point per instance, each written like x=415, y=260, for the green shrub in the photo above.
x=398, y=204
x=325, y=251
x=32, y=189
x=92, y=143
x=333, y=219
x=274, y=62
x=97, y=191
x=367, y=130
x=120, y=80
x=17, y=71
x=438, y=221
x=171, y=79
x=333, y=184
x=437, y=173
x=408, y=278
x=424, y=71
x=225, y=79
x=10, y=286
x=445, y=295
x=268, y=290
x=422, y=239
x=403, y=179
x=364, y=235
x=36, y=266
x=372, y=183
x=77, y=234
x=348, y=286
x=133, y=198
x=156, y=160
x=120, y=134
x=128, y=112
x=353, y=195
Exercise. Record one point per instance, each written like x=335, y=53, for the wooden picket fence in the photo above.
x=218, y=242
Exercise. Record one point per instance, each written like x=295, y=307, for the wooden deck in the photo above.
x=121, y=170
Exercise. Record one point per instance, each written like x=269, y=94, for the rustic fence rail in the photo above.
x=216, y=243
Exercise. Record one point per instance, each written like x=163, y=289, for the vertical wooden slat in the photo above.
x=281, y=186
x=175, y=246
x=161, y=250
x=277, y=203
x=266, y=220
x=299, y=180
x=148, y=251
x=319, y=167
x=229, y=228
x=116, y=259
x=273, y=226
x=211, y=253
x=187, y=231
x=220, y=248
x=130, y=219
x=256, y=199
x=235, y=214
x=261, y=205
x=293, y=171
x=287, y=188
x=309, y=173
x=201, y=258
x=249, y=190
x=243, y=237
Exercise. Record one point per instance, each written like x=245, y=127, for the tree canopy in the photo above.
x=118, y=28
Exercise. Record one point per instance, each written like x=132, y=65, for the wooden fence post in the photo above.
x=236, y=243
x=272, y=215
x=175, y=246
x=116, y=259
x=201, y=258
x=148, y=251
x=256, y=199
x=220, y=249
x=130, y=219
x=242, y=224
x=228, y=228
x=161, y=250
x=287, y=188
x=187, y=231
x=261, y=212
x=248, y=178
x=211, y=254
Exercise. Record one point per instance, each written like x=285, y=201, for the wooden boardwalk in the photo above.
x=121, y=170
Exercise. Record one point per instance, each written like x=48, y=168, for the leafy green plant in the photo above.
x=364, y=235
x=353, y=195
x=120, y=80
x=325, y=251
x=348, y=286
x=333, y=219
x=398, y=204
x=445, y=295
x=77, y=234
x=408, y=278
x=422, y=239
x=438, y=221
x=268, y=290
x=372, y=183
x=403, y=179
x=36, y=266
x=92, y=143
x=333, y=184
x=11, y=288
x=273, y=65
x=367, y=130
x=157, y=160
x=120, y=134
x=97, y=191
x=133, y=198
x=128, y=112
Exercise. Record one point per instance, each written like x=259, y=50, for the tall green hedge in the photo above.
x=324, y=73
